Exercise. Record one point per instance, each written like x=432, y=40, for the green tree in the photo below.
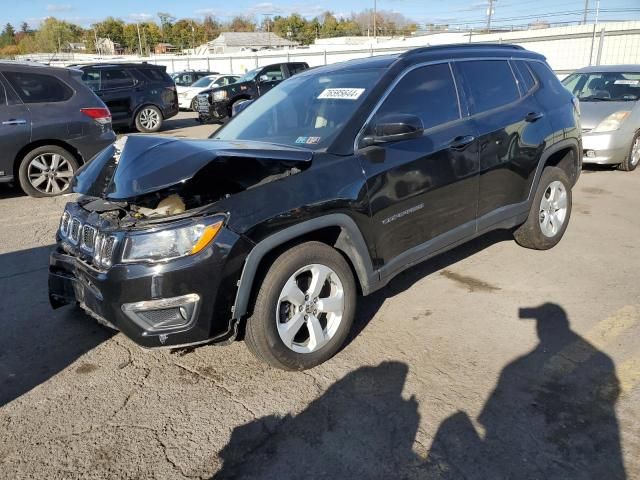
x=7, y=37
x=242, y=24
x=54, y=34
x=24, y=27
x=211, y=28
x=112, y=28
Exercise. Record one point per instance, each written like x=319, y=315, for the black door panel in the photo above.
x=424, y=187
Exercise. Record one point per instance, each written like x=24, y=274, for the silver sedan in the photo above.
x=610, y=113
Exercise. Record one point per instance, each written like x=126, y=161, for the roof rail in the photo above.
x=461, y=46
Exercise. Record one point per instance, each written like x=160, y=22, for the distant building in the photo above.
x=75, y=47
x=229, y=42
x=106, y=46
x=165, y=48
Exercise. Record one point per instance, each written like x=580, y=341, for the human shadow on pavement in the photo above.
x=551, y=415
x=360, y=428
x=37, y=342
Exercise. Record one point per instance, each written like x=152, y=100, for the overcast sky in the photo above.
x=86, y=12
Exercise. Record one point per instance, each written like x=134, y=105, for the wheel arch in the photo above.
x=337, y=230
x=565, y=154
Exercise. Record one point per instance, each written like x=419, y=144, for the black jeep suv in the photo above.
x=218, y=103
x=138, y=95
x=325, y=188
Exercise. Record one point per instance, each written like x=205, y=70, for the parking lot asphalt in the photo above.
x=490, y=361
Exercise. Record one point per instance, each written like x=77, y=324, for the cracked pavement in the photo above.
x=491, y=361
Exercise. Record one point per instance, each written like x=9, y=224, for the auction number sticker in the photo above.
x=341, y=93
x=627, y=82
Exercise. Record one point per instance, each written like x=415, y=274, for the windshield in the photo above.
x=203, y=82
x=250, y=75
x=604, y=86
x=307, y=110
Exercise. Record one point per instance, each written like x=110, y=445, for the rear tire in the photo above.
x=47, y=171
x=148, y=119
x=633, y=157
x=550, y=212
x=304, y=309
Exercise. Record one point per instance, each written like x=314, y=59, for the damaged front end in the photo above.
x=148, y=246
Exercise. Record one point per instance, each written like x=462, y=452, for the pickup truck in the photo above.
x=216, y=104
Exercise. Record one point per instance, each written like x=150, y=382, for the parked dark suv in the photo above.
x=139, y=95
x=218, y=103
x=325, y=188
x=50, y=124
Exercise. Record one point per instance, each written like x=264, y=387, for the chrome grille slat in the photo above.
x=75, y=230
x=91, y=245
x=88, y=238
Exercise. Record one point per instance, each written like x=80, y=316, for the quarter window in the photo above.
x=525, y=76
x=489, y=83
x=427, y=92
x=38, y=88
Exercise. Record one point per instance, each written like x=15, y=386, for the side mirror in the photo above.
x=263, y=78
x=393, y=128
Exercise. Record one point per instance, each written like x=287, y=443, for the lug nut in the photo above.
x=315, y=311
x=306, y=297
x=306, y=317
x=301, y=307
x=315, y=300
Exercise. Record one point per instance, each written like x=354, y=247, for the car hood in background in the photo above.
x=137, y=165
x=592, y=113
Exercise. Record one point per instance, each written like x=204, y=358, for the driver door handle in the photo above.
x=533, y=116
x=460, y=143
x=15, y=121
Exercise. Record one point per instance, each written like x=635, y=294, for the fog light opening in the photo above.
x=165, y=314
x=590, y=153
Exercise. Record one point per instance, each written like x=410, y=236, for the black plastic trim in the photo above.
x=351, y=242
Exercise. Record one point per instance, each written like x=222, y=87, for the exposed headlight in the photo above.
x=220, y=95
x=612, y=122
x=170, y=243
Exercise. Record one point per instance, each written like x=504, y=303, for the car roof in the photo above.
x=129, y=64
x=432, y=53
x=610, y=68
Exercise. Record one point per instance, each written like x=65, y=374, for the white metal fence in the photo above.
x=566, y=49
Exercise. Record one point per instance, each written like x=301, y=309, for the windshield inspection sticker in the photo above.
x=308, y=140
x=341, y=93
x=627, y=82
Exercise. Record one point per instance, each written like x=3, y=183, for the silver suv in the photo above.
x=50, y=124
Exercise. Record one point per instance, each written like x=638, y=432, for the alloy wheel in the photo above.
x=50, y=173
x=310, y=308
x=635, y=152
x=553, y=209
x=149, y=118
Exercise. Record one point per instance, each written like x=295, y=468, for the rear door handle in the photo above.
x=14, y=121
x=460, y=143
x=533, y=116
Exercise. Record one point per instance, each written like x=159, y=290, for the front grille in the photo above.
x=88, y=238
x=75, y=231
x=64, y=223
x=105, y=245
x=86, y=242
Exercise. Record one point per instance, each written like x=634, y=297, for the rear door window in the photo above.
x=526, y=78
x=115, y=78
x=38, y=87
x=296, y=68
x=154, y=74
x=489, y=83
x=427, y=92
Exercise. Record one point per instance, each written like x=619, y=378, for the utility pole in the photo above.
x=139, y=39
x=489, y=14
x=586, y=11
x=375, y=14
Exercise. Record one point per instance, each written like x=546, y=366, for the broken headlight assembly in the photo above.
x=170, y=243
x=219, y=95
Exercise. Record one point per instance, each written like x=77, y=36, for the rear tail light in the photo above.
x=100, y=115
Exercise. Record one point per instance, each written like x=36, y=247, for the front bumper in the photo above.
x=115, y=295
x=609, y=148
x=217, y=111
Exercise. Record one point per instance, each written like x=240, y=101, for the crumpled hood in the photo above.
x=592, y=113
x=137, y=165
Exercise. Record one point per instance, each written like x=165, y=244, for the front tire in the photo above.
x=149, y=119
x=633, y=158
x=550, y=212
x=304, y=309
x=47, y=171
